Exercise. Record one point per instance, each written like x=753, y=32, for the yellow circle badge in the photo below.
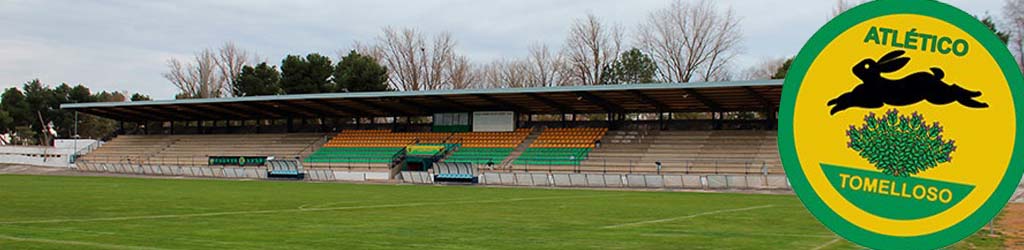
x=899, y=125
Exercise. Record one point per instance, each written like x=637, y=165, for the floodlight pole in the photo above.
x=74, y=148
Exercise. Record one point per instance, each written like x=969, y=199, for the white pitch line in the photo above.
x=306, y=207
x=682, y=233
x=829, y=243
x=688, y=216
x=417, y=204
x=77, y=243
x=315, y=205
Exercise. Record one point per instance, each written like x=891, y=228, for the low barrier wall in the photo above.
x=644, y=181
x=224, y=171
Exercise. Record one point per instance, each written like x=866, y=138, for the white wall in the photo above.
x=57, y=156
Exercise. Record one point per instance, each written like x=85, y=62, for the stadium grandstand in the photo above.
x=683, y=130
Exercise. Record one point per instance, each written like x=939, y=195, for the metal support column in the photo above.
x=661, y=120
x=290, y=125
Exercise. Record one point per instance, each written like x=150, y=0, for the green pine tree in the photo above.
x=260, y=80
x=633, y=66
x=311, y=74
x=359, y=73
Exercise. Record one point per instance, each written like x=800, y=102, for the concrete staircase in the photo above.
x=534, y=133
x=620, y=150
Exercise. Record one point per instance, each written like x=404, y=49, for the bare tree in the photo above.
x=590, y=46
x=415, y=66
x=723, y=48
x=546, y=69
x=1013, y=12
x=210, y=74
x=438, y=59
x=400, y=52
x=461, y=73
x=200, y=79
x=507, y=73
x=691, y=41
x=372, y=50
x=230, y=60
x=843, y=6
x=763, y=70
x=540, y=68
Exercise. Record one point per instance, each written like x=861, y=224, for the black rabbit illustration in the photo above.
x=876, y=91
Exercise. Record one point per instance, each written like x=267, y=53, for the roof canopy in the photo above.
x=667, y=97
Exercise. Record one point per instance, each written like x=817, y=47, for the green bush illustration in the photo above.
x=900, y=145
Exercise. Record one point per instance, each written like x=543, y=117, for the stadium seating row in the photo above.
x=561, y=146
x=747, y=152
x=196, y=149
x=480, y=156
x=377, y=148
x=353, y=155
x=569, y=138
x=491, y=139
x=553, y=156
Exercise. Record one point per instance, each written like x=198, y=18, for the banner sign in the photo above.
x=238, y=160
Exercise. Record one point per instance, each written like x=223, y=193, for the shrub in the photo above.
x=900, y=145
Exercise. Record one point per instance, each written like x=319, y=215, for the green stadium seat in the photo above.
x=353, y=155
x=553, y=156
x=480, y=155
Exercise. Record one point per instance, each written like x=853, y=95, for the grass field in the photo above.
x=53, y=212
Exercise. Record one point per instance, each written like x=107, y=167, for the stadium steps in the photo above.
x=534, y=133
x=163, y=147
x=396, y=164
x=619, y=149
x=628, y=136
x=314, y=146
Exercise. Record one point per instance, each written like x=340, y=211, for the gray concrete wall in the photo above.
x=649, y=181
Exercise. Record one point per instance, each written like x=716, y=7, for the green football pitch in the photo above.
x=58, y=212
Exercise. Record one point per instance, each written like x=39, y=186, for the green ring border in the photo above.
x=791, y=88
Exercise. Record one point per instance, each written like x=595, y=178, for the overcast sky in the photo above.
x=124, y=45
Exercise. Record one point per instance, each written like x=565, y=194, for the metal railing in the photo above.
x=692, y=166
x=352, y=163
x=92, y=146
x=195, y=160
x=312, y=147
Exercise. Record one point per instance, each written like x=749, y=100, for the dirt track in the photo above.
x=30, y=170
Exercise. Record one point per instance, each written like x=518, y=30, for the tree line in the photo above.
x=230, y=71
x=685, y=41
x=31, y=115
x=682, y=42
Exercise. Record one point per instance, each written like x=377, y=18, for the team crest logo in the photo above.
x=898, y=126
